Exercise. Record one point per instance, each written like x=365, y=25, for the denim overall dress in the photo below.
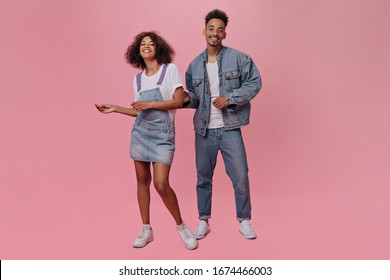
x=153, y=133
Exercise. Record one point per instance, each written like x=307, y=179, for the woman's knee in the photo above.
x=144, y=183
x=162, y=187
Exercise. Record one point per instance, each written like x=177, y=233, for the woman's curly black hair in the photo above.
x=164, y=52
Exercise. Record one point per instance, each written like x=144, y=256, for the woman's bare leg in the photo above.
x=161, y=183
x=142, y=170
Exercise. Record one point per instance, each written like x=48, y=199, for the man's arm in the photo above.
x=191, y=100
x=251, y=85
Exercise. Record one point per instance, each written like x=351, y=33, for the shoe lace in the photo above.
x=201, y=226
x=143, y=234
x=185, y=233
x=246, y=227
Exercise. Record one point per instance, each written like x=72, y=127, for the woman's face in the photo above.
x=147, y=48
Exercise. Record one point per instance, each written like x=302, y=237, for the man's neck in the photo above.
x=212, y=53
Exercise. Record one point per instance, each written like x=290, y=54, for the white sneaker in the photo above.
x=246, y=230
x=145, y=237
x=189, y=240
x=202, y=230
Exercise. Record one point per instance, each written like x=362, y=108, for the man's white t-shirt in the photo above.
x=215, y=120
x=171, y=82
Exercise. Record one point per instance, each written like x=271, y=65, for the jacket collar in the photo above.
x=204, y=54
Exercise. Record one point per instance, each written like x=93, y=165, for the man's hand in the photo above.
x=220, y=102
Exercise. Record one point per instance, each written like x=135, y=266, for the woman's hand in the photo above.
x=142, y=105
x=106, y=108
x=186, y=98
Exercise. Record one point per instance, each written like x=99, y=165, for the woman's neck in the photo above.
x=152, y=67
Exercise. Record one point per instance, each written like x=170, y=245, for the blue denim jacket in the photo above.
x=239, y=81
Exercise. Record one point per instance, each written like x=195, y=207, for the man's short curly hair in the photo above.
x=217, y=14
x=164, y=52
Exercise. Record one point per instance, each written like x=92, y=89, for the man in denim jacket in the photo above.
x=221, y=82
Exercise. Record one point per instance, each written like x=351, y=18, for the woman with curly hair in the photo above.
x=158, y=92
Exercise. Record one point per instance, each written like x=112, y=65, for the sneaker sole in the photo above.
x=203, y=235
x=138, y=246
x=248, y=236
x=192, y=248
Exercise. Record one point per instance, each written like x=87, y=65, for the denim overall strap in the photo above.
x=160, y=80
x=164, y=70
x=139, y=81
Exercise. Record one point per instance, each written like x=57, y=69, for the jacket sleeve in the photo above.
x=250, y=85
x=194, y=100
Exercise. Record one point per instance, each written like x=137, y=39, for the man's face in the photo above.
x=214, y=32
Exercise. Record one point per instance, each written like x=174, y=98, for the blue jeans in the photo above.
x=231, y=145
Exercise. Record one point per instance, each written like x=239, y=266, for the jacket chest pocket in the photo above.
x=196, y=82
x=197, y=85
x=232, y=80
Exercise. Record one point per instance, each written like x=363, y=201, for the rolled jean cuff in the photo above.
x=243, y=219
x=204, y=217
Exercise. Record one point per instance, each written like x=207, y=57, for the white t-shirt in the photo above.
x=216, y=120
x=171, y=82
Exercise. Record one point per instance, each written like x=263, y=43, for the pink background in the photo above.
x=318, y=143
